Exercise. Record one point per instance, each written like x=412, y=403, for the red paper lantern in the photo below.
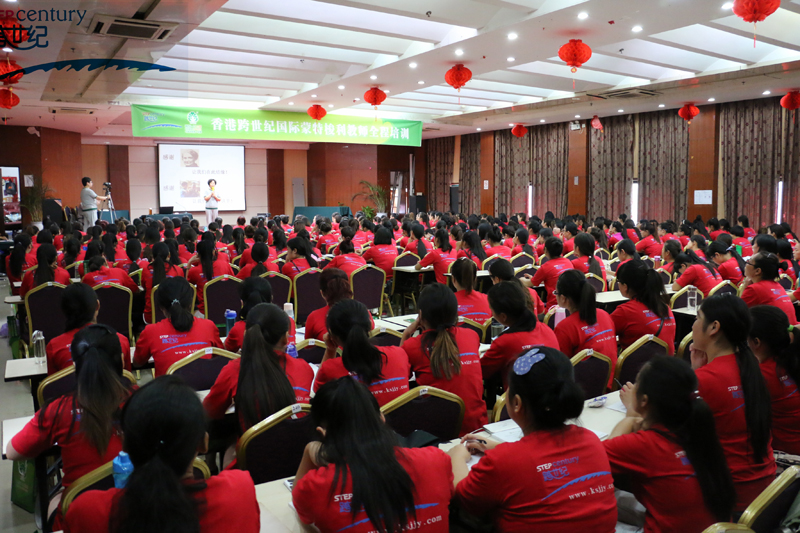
x=458, y=76
x=374, y=97
x=519, y=131
x=596, y=124
x=755, y=10
x=791, y=101
x=688, y=112
x=575, y=53
x=13, y=32
x=317, y=112
x=9, y=65
x=8, y=99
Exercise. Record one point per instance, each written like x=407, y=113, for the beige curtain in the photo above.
x=549, y=168
x=512, y=172
x=439, y=160
x=470, y=176
x=611, y=167
x=663, y=166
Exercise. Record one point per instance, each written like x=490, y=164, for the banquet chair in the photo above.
x=648, y=261
x=73, y=269
x=403, y=283
x=63, y=382
x=155, y=310
x=306, y=293
x=723, y=287
x=550, y=316
x=311, y=350
x=681, y=352
x=482, y=329
x=281, y=287
x=219, y=295
x=635, y=356
x=597, y=282
x=428, y=409
x=273, y=448
x=521, y=259
x=519, y=273
x=666, y=277
x=385, y=337
x=613, y=264
x=367, y=284
x=200, y=370
x=116, y=308
x=786, y=282
x=43, y=307
x=500, y=411
x=680, y=298
x=489, y=261
x=602, y=254
x=592, y=372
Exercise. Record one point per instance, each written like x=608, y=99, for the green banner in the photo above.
x=244, y=125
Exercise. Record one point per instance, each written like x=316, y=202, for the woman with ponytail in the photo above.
x=98, y=271
x=208, y=269
x=472, y=304
x=73, y=253
x=20, y=259
x=626, y=251
x=586, y=327
x=521, y=246
x=110, y=249
x=334, y=286
x=732, y=385
x=264, y=380
x=760, y=287
x=47, y=270
x=260, y=263
x=446, y=356
x=238, y=244
x=776, y=344
x=786, y=254
x=494, y=244
x=650, y=245
x=585, y=261
x=669, y=449
x=383, y=252
x=358, y=479
x=179, y=334
x=645, y=312
x=441, y=257
x=519, y=484
x=165, y=429
x=669, y=252
x=730, y=265
x=693, y=270
x=417, y=243
x=698, y=245
x=502, y=270
x=133, y=257
x=83, y=423
x=155, y=273
x=347, y=260
x=383, y=369
x=299, y=258
x=253, y=291
x=472, y=249
x=188, y=248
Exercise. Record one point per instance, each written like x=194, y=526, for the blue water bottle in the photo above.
x=230, y=320
x=122, y=468
x=291, y=350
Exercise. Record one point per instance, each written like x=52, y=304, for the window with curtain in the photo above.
x=439, y=155
x=470, y=177
x=663, y=165
x=610, y=167
x=549, y=168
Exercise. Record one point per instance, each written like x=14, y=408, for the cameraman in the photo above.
x=89, y=200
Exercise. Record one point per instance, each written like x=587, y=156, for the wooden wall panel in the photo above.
x=397, y=158
x=316, y=174
x=703, y=161
x=420, y=170
x=62, y=165
x=275, y=182
x=487, y=172
x=295, y=165
x=143, y=174
x=346, y=166
x=578, y=166
x=118, y=164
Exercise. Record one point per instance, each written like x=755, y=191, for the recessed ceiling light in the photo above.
x=636, y=29
x=7, y=50
x=577, y=116
x=412, y=65
x=727, y=5
x=313, y=96
x=712, y=99
x=512, y=36
x=583, y=15
x=510, y=59
x=459, y=52
x=291, y=103
x=373, y=77
x=356, y=99
x=420, y=82
x=620, y=110
x=542, y=120
x=330, y=105
x=661, y=105
x=341, y=86
x=478, y=129
x=766, y=92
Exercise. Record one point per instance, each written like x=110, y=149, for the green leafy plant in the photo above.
x=33, y=198
x=375, y=194
x=369, y=212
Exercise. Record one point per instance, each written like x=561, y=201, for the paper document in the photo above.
x=619, y=406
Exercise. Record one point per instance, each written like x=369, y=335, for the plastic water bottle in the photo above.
x=122, y=468
x=561, y=314
x=691, y=298
x=288, y=308
x=291, y=350
x=230, y=319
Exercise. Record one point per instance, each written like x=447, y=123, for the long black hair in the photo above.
x=253, y=291
x=473, y=243
x=206, y=251
x=508, y=298
x=45, y=256
x=133, y=249
x=443, y=238
x=259, y=255
x=348, y=320
x=585, y=244
x=771, y=326
x=670, y=384
x=785, y=253
x=78, y=303
x=160, y=262
x=627, y=246
x=690, y=258
x=523, y=236
x=361, y=446
x=719, y=247
x=16, y=263
x=465, y=273
x=72, y=248
x=438, y=307
x=645, y=284
x=573, y=286
x=302, y=247
x=164, y=425
x=263, y=386
x=418, y=230
x=735, y=324
x=175, y=296
x=109, y=248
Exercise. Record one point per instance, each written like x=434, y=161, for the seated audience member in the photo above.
x=472, y=249
x=645, y=312
x=260, y=262
x=501, y=270
x=519, y=484
x=740, y=241
x=189, y=247
x=523, y=331
x=298, y=258
x=548, y=273
x=495, y=246
x=693, y=270
x=584, y=260
x=626, y=251
x=760, y=287
x=83, y=423
x=521, y=246
x=359, y=461
x=733, y=387
x=669, y=252
x=46, y=271
x=445, y=356
x=73, y=253
x=264, y=380
x=786, y=254
x=668, y=448
x=765, y=243
x=178, y=335
x=238, y=243
x=472, y=304
x=586, y=327
x=382, y=253
x=441, y=257
x=729, y=264
x=776, y=344
x=99, y=272
x=570, y=231
x=650, y=245
x=383, y=369
x=133, y=257
x=20, y=259
x=417, y=243
x=334, y=285
x=253, y=291
x=348, y=260
x=156, y=272
x=209, y=268
x=165, y=429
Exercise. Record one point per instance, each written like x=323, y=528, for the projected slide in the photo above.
x=184, y=171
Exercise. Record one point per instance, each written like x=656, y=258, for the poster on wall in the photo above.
x=10, y=177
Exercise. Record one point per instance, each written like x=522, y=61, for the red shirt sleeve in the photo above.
x=688, y=277
x=429, y=258
x=126, y=351
x=750, y=295
x=143, y=350
x=220, y=397
x=36, y=438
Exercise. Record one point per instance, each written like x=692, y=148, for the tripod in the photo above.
x=110, y=207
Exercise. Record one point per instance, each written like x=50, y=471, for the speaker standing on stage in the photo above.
x=89, y=203
x=212, y=200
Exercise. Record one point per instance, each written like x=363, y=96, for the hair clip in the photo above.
x=176, y=301
x=524, y=363
x=695, y=395
x=790, y=328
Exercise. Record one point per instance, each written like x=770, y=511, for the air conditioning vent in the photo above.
x=71, y=111
x=131, y=28
x=625, y=94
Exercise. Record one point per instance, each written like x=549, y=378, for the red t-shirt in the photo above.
x=474, y=306
x=147, y=284
x=569, y=246
x=235, y=338
x=60, y=276
x=383, y=256
x=785, y=407
x=633, y=319
x=196, y=277
x=613, y=240
x=166, y=345
x=316, y=323
x=538, y=304
x=715, y=234
x=469, y=255
x=77, y=453
x=348, y=263
x=730, y=271
x=508, y=346
x=582, y=264
x=411, y=246
x=318, y=501
x=747, y=248
x=700, y=277
x=467, y=385
x=228, y=504
x=441, y=262
x=328, y=240
x=393, y=382
x=518, y=250
x=59, y=351
x=293, y=268
x=247, y=270
x=766, y=292
x=749, y=233
x=548, y=274
x=663, y=480
x=575, y=335
x=30, y=261
x=222, y=393
x=649, y=247
x=558, y=481
x=720, y=386
x=789, y=272
x=501, y=250
x=125, y=264
x=110, y=275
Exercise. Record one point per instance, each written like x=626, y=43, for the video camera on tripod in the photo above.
x=107, y=186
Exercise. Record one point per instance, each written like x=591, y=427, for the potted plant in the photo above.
x=375, y=194
x=32, y=201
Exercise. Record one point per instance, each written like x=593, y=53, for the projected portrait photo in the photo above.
x=190, y=189
x=189, y=158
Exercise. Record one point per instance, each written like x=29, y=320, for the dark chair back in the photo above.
x=116, y=305
x=73, y=269
x=785, y=282
x=649, y=262
x=613, y=265
x=487, y=264
x=385, y=337
x=781, y=494
x=307, y=297
x=220, y=294
x=530, y=269
x=592, y=372
x=57, y=385
x=367, y=285
x=521, y=260
x=666, y=277
x=311, y=351
x=43, y=307
x=200, y=374
x=602, y=253
x=281, y=287
x=597, y=283
x=634, y=357
x=427, y=409
x=406, y=260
